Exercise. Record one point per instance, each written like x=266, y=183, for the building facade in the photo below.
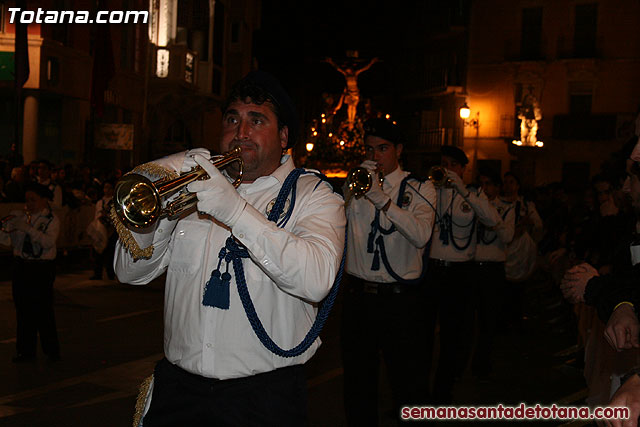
x=574, y=62
x=116, y=95
x=568, y=65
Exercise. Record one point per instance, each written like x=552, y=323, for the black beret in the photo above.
x=39, y=189
x=383, y=128
x=287, y=113
x=455, y=153
x=492, y=174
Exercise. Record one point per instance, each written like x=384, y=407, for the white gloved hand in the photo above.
x=457, y=183
x=189, y=161
x=21, y=224
x=375, y=194
x=216, y=196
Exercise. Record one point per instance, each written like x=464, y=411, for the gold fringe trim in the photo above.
x=127, y=239
x=153, y=171
x=141, y=400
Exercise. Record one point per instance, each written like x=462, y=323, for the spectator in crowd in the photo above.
x=32, y=233
x=32, y=171
x=104, y=258
x=14, y=157
x=14, y=189
x=44, y=178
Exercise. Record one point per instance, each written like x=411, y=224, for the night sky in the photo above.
x=295, y=37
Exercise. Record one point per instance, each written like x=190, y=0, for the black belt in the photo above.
x=494, y=263
x=445, y=263
x=377, y=288
x=164, y=367
x=32, y=261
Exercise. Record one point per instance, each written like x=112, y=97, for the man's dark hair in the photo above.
x=383, y=128
x=490, y=173
x=259, y=87
x=514, y=176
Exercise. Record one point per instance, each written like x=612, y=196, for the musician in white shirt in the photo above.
x=216, y=370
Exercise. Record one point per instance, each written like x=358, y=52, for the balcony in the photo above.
x=432, y=139
x=579, y=48
x=595, y=127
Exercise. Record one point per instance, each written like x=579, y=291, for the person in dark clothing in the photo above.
x=32, y=233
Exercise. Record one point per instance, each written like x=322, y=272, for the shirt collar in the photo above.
x=278, y=176
x=395, y=177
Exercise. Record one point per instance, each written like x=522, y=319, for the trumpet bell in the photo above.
x=438, y=176
x=359, y=181
x=138, y=202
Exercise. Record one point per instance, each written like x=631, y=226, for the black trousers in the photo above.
x=32, y=287
x=490, y=288
x=105, y=259
x=180, y=398
x=454, y=287
x=388, y=324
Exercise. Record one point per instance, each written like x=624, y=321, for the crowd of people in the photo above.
x=250, y=279
x=71, y=185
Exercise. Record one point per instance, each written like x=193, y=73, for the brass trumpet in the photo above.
x=138, y=201
x=6, y=219
x=438, y=176
x=359, y=181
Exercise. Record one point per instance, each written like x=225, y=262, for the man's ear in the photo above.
x=284, y=136
x=398, y=150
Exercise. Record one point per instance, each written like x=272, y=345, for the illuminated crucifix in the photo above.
x=351, y=94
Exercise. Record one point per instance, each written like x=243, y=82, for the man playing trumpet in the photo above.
x=389, y=229
x=217, y=368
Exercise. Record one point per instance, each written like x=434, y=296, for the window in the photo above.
x=580, y=104
x=235, y=32
x=531, y=37
x=584, y=36
x=193, y=26
x=218, y=33
x=580, y=95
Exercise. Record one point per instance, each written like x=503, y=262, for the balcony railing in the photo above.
x=584, y=126
x=433, y=139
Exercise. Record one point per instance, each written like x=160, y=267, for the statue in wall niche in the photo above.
x=529, y=115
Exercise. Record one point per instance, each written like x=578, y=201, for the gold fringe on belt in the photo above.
x=141, y=400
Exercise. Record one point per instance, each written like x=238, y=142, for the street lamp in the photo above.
x=465, y=113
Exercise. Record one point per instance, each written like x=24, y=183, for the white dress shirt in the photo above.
x=493, y=246
x=43, y=232
x=288, y=272
x=462, y=211
x=406, y=245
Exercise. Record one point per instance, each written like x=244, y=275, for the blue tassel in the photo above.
x=375, y=265
x=214, y=282
x=216, y=293
x=444, y=229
